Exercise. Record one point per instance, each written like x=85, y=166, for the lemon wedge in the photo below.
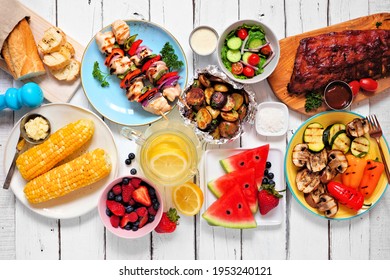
x=188, y=198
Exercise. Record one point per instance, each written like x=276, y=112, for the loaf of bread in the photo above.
x=21, y=53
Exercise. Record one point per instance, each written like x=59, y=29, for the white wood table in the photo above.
x=301, y=235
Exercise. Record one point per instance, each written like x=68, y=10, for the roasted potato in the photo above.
x=195, y=96
x=207, y=93
x=228, y=129
x=238, y=100
x=203, y=119
x=229, y=104
x=213, y=112
x=221, y=88
x=204, y=81
x=218, y=100
x=231, y=116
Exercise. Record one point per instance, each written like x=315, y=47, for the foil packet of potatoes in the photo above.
x=216, y=106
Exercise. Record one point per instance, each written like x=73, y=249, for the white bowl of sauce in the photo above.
x=203, y=40
x=338, y=95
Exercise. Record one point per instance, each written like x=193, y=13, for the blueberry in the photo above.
x=268, y=164
x=128, y=161
x=136, y=224
x=128, y=226
x=108, y=212
x=129, y=209
x=151, y=218
x=271, y=182
x=266, y=172
x=118, y=198
x=154, y=200
x=133, y=171
x=152, y=192
x=125, y=181
x=265, y=181
x=156, y=205
x=110, y=195
x=270, y=175
x=134, y=228
x=131, y=156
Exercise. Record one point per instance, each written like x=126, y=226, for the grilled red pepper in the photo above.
x=134, y=47
x=147, y=94
x=126, y=80
x=112, y=54
x=166, y=76
x=347, y=196
x=148, y=63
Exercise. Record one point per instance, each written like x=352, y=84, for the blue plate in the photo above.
x=111, y=101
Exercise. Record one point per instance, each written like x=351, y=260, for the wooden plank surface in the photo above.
x=53, y=89
x=288, y=47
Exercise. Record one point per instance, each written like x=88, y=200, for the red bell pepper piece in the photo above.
x=134, y=47
x=166, y=76
x=371, y=175
x=111, y=55
x=347, y=196
x=125, y=82
x=147, y=64
x=147, y=94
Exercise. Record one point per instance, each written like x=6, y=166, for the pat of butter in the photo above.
x=37, y=128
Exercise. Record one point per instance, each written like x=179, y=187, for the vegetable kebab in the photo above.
x=148, y=78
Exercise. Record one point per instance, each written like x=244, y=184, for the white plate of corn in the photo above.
x=63, y=177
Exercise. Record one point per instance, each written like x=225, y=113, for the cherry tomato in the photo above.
x=355, y=86
x=253, y=59
x=237, y=68
x=368, y=84
x=266, y=50
x=248, y=72
x=242, y=33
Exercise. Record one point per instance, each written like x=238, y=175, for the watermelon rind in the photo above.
x=226, y=165
x=242, y=225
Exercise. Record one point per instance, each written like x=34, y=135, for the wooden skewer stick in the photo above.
x=184, y=102
x=163, y=115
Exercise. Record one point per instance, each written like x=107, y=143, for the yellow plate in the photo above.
x=328, y=118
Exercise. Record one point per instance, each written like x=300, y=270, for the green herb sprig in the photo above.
x=100, y=75
x=170, y=58
x=313, y=101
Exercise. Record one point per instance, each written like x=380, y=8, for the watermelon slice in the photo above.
x=256, y=157
x=231, y=211
x=244, y=179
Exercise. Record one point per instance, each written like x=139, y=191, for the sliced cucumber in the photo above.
x=360, y=146
x=312, y=136
x=245, y=56
x=234, y=43
x=334, y=129
x=255, y=43
x=341, y=142
x=233, y=55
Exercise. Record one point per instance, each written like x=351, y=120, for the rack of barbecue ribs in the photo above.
x=348, y=55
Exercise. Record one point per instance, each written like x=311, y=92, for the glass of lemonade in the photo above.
x=168, y=152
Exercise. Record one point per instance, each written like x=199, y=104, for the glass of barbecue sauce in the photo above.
x=338, y=95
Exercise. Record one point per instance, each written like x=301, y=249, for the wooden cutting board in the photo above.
x=54, y=90
x=288, y=47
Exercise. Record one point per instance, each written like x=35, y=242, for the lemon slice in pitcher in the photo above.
x=168, y=163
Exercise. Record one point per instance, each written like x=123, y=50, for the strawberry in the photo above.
x=127, y=192
x=143, y=220
x=141, y=195
x=117, y=189
x=168, y=221
x=152, y=211
x=114, y=220
x=268, y=198
x=136, y=182
x=131, y=217
x=142, y=211
x=115, y=207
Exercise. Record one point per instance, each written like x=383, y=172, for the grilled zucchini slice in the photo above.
x=312, y=136
x=360, y=146
x=334, y=129
x=341, y=142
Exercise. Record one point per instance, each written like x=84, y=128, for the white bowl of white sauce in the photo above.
x=203, y=40
x=272, y=119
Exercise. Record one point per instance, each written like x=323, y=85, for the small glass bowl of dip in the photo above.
x=338, y=95
x=203, y=40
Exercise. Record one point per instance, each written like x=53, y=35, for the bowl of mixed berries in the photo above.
x=130, y=207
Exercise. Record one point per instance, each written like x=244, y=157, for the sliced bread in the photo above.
x=69, y=73
x=52, y=40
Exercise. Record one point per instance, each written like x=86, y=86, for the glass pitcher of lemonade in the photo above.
x=168, y=152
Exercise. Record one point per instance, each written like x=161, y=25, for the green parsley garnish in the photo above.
x=99, y=75
x=313, y=101
x=170, y=58
x=378, y=24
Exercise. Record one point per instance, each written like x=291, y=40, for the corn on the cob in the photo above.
x=62, y=143
x=80, y=172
